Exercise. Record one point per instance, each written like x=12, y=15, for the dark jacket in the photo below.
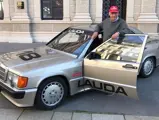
x=109, y=28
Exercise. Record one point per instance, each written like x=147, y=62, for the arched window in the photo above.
x=52, y=9
x=1, y=10
x=121, y=5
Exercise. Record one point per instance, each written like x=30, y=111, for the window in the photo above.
x=128, y=49
x=52, y=9
x=71, y=41
x=1, y=10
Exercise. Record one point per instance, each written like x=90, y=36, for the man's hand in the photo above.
x=115, y=35
x=95, y=34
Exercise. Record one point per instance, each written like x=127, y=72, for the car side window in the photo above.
x=128, y=49
x=95, y=43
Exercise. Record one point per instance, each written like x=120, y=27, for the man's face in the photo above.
x=113, y=16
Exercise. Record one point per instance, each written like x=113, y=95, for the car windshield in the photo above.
x=71, y=41
x=127, y=48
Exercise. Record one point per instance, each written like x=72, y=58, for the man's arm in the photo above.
x=95, y=34
x=124, y=29
x=98, y=28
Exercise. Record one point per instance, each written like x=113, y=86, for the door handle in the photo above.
x=129, y=66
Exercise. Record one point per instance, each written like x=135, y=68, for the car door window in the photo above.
x=127, y=50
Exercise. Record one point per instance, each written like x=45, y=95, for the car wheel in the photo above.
x=51, y=93
x=147, y=67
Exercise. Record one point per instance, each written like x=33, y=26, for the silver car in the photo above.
x=72, y=63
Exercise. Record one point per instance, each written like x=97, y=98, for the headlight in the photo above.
x=17, y=81
x=12, y=79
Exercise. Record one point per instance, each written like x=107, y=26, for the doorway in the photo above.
x=122, y=4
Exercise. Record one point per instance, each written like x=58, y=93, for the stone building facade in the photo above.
x=41, y=20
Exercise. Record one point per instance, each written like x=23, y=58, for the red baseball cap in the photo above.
x=114, y=9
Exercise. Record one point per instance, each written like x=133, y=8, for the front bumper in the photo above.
x=19, y=98
x=12, y=93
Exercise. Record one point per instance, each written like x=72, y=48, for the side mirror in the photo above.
x=94, y=55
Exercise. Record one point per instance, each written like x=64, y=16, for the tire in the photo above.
x=148, y=67
x=53, y=88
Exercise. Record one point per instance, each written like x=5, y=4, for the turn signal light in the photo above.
x=22, y=82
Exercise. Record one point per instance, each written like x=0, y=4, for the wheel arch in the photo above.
x=140, y=69
x=62, y=76
x=150, y=56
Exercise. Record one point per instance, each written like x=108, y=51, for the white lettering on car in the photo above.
x=77, y=31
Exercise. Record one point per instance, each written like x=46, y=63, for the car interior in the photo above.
x=98, y=41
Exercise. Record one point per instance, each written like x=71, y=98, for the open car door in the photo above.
x=114, y=65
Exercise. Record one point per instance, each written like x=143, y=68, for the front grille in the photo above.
x=2, y=73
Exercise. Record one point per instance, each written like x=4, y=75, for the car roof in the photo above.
x=91, y=28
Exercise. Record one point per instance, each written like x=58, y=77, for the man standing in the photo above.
x=112, y=27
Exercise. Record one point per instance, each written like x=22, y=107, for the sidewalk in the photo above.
x=18, y=114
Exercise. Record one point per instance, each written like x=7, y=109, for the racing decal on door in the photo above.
x=103, y=86
x=28, y=55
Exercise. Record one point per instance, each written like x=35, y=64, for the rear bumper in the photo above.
x=19, y=98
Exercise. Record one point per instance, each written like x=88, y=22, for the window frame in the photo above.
x=1, y=4
x=42, y=17
x=143, y=44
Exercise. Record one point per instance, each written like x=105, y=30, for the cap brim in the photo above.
x=113, y=11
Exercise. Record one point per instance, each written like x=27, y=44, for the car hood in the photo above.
x=34, y=58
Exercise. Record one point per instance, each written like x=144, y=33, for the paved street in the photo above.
x=92, y=101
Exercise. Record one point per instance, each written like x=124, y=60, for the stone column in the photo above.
x=37, y=10
x=148, y=11
x=22, y=29
x=82, y=13
x=21, y=14
x=6, y=10
x=66, y=10
x=99, y=6
x=157, y=8
x=130, y=11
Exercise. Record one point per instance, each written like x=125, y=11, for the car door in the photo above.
x=113, y=66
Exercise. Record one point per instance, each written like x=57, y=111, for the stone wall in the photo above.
x=16, y=26
x=157, y=9
x=137, y=9
x=72, y=8
x=11, y=8
x=31, y=8
x=93, y=9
